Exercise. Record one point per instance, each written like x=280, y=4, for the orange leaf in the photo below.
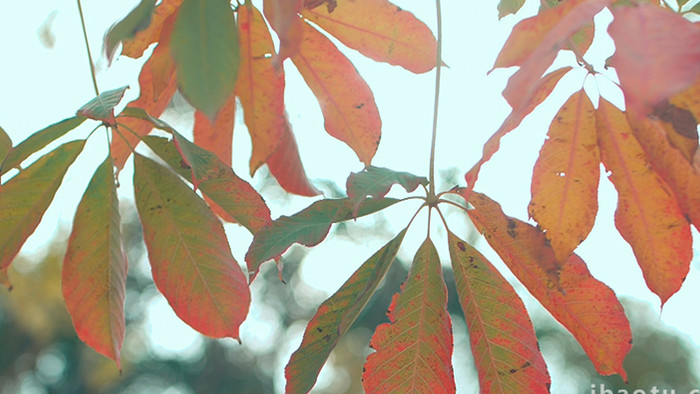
x=565, y=179
x=522, y=105
x=260, y=87
x=582, y=304
x=689, y=99
x=285, y=165
x=134, y=47
x=94, y=269
x=158, y=85
x=348, y=106
x=653, y=44
x=283, y=16
x=217, y=136
x=502, y=336
x=379, y=30
x=681, y=128
x=647, y=214
x=414, y=351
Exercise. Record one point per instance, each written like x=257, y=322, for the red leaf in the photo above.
x=284, y=19
x=217, y=136
x=647, y=214
x=502, y=336
x=414, y=350
x=379, y=30
x=285, y=165
x=348, y=106
x=653, y=44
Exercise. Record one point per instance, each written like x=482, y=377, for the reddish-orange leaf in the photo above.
x=413, y=352
x=522, y=105
x=348, y=106
x=283, y=16
x=94, y=269
x=134, y=47
x=379, y=30
x=158, y=85
x=260, y=87
x=653, y=44
x=647, y=214
x=581, y=303
x=217, y=136
x=502, y=337
x=565, y=179
x=285, y=165
x=681, y=176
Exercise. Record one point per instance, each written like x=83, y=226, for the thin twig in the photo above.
x=438, y=67
x=87, y=46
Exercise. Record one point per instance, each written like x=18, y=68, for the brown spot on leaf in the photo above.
x=461, y=247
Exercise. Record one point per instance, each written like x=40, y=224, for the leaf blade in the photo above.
x=135, y=21
x=102, y=107
x=375, y=182
x=286, y=166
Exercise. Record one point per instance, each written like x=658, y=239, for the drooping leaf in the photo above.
x=647, y=214
x=413, y=351
x=502, y=337
x=217, y=136
x=137, y=20
x=335, y=317
x=653, y=44
x=228, y=195
x=681, y=128
x=379, y=30
x=347, y=103
x=25, y=198
x=582, y=304
x=204, y=46
x=5, y=145
x=522, y=106
x=102, y=107
x=260, y=87
x=307, y=227
x=377, y=181
x=565, y=179
x=95, y=266
x=190, y=257
x=580, y=41
x=283, y=16
x=285, y=165
x=507, y=7
x=37, y=141
x=162, y=16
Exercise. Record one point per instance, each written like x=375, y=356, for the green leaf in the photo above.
x=25, y=198
x=138, y=19
x=94, y=269
x=190, y=257
x=5, y=144
x=229, y=192
x=507, y=7
x=102, y=107
x=308, y=227
x=681, y=3
x=335, y=316
x=695, y=8
x=204, y=45
x=37, y=141
x=377, y=181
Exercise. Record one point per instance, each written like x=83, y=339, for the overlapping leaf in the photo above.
x=507, y=7
x=204, y=46
x=647, y=214
x=285, y=165
x=25, y=198
x=681, y=128
x=565, y=179
x=102, y=107
x=308, y=227
x=335, y=317
x=582, y=304
x=137, y=20
x=377, y=181
x=379, y=30
x=5, y=145
x=94, y=269
x=162, y=16
x=502, y=336
x=283, y=16
x=217, y=136
x=413, y=351
x=190, y=258
x=347, y=103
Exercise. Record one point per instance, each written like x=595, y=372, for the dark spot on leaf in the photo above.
x=547, y=242
x=359, y=106
x=319, y=329
x=511, y=224
x=184, y=164
x=630, y=342
x=461, y=247
x=513, y=370
x=548, y=385
x=327, y=338
x=525, y=365
x=157, y=207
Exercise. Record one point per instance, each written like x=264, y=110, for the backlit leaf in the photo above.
x=204, y=46
x=39, y=140
x=507, y=7
x=502, y=337
x=689, y=99
x=681, y=128
x=5, y=145
x=190, y=257
x=137, y=20
x=307, y=227
x=565, y=179
x=647, y=214
x=25, y=198
x=580, y=41
x=653, y=44
x=379, y=30
x=94, y=269
x=285, y=165
x=377, y=181
x=162, y=16
x=413, y=351
x=335, y=317
x=217, y=136
x=260, y=88
x=283, y=16
x=347, y=103
x=582, y=304
x=102, y=107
